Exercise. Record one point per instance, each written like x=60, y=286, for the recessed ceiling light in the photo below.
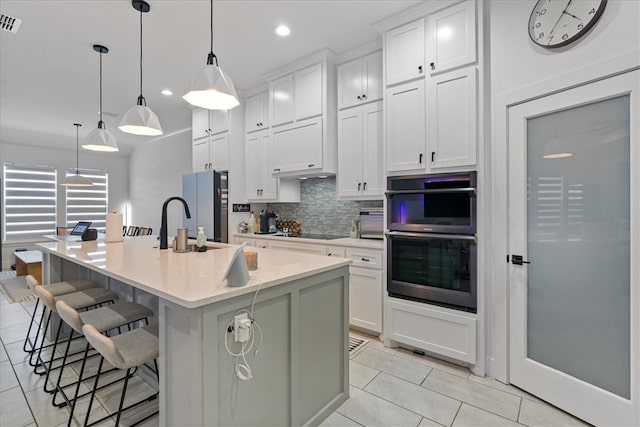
x=283, y=30
x=166, y=92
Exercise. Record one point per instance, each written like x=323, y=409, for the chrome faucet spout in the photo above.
x=163, y=226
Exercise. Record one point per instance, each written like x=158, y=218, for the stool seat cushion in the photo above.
x=103, y=318
x=64, y=287
x=126, y=350
x=76, y=300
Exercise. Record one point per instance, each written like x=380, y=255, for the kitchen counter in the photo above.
x=344, y=241
x=190, y=279
x=300, y=375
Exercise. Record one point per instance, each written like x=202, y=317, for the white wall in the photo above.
x=521, y=70
x=156, y=168
x=116, y=165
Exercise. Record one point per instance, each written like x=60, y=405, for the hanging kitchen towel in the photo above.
x=113, y=232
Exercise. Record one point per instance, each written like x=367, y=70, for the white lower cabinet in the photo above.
x=238, y=240
x=297, y=247
x=337, y=251
x=365, y=298
x=435, y=329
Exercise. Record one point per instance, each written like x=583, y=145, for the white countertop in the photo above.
x=345, y=241
x=192, y=279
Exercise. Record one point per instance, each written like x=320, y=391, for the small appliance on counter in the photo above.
x=371, y=223
x=267, y=222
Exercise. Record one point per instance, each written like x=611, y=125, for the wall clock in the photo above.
x=556, y=23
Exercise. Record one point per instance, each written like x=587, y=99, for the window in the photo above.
x=29, y=201
x=88, y=203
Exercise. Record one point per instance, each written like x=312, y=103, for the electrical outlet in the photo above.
x=241, y=327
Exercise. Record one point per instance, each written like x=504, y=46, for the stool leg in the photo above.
x=33, y=316
x=93, y=393
x=48, y=366
x=64, y=362
x=46, y=326
x=124, y=391
x=77, y=391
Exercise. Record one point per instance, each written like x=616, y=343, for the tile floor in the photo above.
x=389, y=387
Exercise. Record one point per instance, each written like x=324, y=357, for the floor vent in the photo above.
x=9, y=23
x=355, y=344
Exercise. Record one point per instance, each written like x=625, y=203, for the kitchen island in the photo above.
x=300, y=374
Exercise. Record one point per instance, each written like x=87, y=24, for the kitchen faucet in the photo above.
x=163, y=226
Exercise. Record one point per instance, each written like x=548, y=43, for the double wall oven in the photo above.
x=431, y=241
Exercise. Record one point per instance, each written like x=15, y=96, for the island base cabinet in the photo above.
x=438, y=330
x=299, y=376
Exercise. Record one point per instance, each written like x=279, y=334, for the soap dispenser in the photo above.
x=201, y=238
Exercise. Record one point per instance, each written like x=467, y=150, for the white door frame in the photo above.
x=496, y=275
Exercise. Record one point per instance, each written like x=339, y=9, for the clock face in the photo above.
x=555, y=23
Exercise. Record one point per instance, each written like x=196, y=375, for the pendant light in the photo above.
x=77, y=180
x=212, y=88
x=100, y=139
x=139, y=119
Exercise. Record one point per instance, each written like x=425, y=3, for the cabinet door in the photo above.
x=350, y=88
x=269, y=184
x=219, y=152
x=372, y=76
x=307, y=96
x=373, y=183
x=257, y=112
x=298, y=147
x=200, y=155
x=200, y=123
x=219, y=121
x=337, y=251
x=452, y=118
x=365, y=298
x=452, y=37
x=264, y=118
x=406, y=127
x=253, y=162
x=405, y=52
x=281, y=100
x=350, y=152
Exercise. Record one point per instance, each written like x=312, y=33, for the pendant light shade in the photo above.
x=100, y=139
x=212, y=88
x=139, y=119
x=77, y=180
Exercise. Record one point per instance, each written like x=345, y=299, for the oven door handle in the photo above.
x=425, y=236
x=470, y=190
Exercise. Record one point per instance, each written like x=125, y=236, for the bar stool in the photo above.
x=104, y=319
x=125, y=351
x=56, y=289
x=92, y=297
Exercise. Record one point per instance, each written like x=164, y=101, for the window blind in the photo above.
x=88, y=203
x=29, y=202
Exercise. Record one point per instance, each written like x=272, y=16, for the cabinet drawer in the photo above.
x=298, y=247
x=336, y=251
x=365, y=258
x=237, y=240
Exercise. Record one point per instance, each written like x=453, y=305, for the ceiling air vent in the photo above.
x=9, y=23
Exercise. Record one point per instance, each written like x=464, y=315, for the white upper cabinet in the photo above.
x=298, y=147
x=257, y=112
x=404, y=47
x=219, y=121
x=360, y=81
x=406, y=127
x=281, y=100
x=307, y=96
x=200, y=155
x=360, y=168
x=453, y=123
x=219, y=152
x=452, y=37
x=200, y=123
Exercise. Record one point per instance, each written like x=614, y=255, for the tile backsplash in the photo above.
x=319, y=210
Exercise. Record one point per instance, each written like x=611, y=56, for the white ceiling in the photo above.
x=49, y=71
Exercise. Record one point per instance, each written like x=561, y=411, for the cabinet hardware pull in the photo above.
x=277, y=170
x=311, y=165
x=261, y=124
x=358, y=186
x=433, y=65
x=257, y=192
x=366, y=259
x=433, y=156
x=420, y=158
x=329, y=254
x=359, y=97
x=364, y=186
x=261, y=190
x=517, y=260
x=420, y=69
x=258, y=124
x=364, y=96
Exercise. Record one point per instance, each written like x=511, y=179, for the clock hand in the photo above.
x=561, y=15
x=573, y=16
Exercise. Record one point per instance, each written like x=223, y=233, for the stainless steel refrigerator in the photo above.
x=206, y=194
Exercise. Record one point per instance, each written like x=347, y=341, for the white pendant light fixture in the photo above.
x=212, y=88
x=77, y=180
x=100, y=139
x=139, y=119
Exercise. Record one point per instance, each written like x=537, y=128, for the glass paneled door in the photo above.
x=574, y=238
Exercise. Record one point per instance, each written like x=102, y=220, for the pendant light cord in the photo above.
x=100, y=122
x=212, y=55
x=141, y=100
x=77, y=148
